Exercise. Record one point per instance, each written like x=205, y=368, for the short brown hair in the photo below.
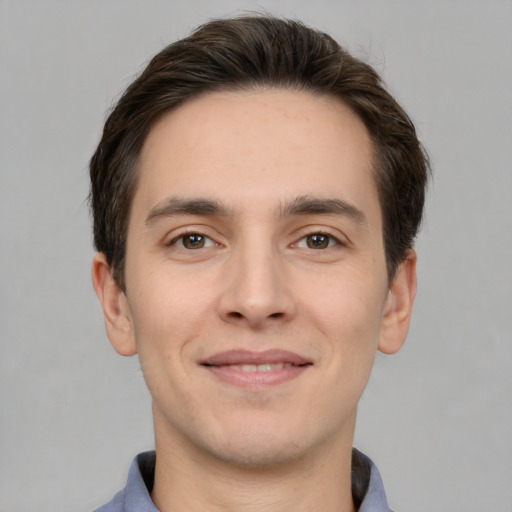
x=246, y=53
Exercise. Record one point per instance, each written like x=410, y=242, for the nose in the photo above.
x=256, y=289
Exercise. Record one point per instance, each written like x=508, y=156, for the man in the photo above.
x=256, y=194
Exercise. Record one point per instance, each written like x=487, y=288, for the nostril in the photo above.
x=237, y=314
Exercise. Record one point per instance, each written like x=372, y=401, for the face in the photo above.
x=256, y=286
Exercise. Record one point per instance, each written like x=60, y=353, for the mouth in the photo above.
x=265, y=367
x=248, y=369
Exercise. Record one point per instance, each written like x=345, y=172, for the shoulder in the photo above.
x=367, y=487
x=135, y=497
x=115, y=505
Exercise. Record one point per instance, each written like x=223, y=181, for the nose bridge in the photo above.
x=257, y=292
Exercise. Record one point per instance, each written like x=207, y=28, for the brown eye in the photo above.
x=318, y=241
x=192, y=241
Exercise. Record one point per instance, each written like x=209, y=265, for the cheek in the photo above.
x=350, y=309
x=349, y=318
x=164, y=318
x=165, y=324
x=167, y=301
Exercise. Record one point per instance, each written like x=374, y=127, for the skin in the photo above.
x=256, y=226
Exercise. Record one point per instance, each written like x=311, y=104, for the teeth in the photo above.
x=265, y=367
x=268, y=367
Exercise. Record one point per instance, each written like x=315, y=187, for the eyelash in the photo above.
x=175, y=241
x=332, y=241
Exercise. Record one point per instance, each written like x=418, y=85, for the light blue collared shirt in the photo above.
x=135, y=496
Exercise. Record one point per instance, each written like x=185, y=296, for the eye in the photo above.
x=318, y=241
x=192, y=241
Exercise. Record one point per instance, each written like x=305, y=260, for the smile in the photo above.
x=256, y=369
x=265, y=367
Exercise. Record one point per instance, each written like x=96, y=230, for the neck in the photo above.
x=190, y=479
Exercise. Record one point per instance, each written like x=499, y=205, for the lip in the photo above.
x=227, y=367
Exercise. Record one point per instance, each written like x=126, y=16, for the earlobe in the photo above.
x=398, y=307
x=116, y=312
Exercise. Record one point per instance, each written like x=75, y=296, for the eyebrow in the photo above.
x=307, y=205
x=179, y=206
x=302, y=205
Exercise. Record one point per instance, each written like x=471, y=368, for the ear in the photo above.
x=116, y=312
x=398, y=306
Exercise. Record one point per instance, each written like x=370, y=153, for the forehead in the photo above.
x=257, y=147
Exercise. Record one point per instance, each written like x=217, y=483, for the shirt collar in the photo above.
x=374, y=499
x=135, y=497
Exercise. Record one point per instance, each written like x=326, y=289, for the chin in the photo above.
x=262, y=444
x=256, y=454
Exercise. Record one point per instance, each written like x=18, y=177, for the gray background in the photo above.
x=436, y=418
